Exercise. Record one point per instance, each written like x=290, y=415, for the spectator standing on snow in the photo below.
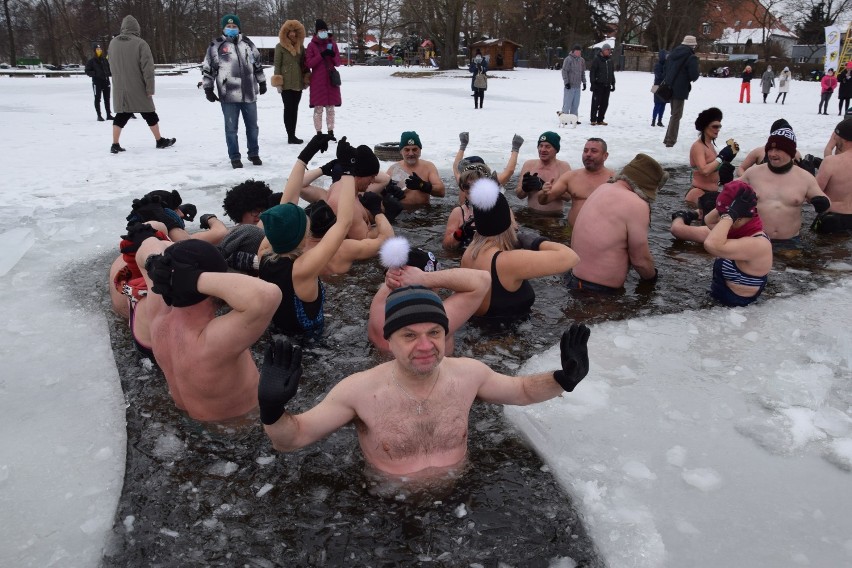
x=784, y=85
x=321, y=57
x=681, y=72
x=574, y=77
x=767, y=81
x=98, y=69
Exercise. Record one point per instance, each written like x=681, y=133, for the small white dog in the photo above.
x=567, y=119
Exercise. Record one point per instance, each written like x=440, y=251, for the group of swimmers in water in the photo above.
x=268, y=268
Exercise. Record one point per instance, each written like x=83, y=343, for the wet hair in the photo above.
x=599, y=141
x=248, y=196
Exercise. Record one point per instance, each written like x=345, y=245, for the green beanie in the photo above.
x=409, y=138
x=230, y=19
x=284, y=226
x=551, y=138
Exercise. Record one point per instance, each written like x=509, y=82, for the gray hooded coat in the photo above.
x=132, y=68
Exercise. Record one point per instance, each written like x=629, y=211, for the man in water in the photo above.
x=539, y=174
x=205, y=358
x=834, y=179
x=411, y=413
x=579, y=184
x=781, y=189
x=419, y=177
x=611, y=231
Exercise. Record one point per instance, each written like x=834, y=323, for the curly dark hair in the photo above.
x=245, y=197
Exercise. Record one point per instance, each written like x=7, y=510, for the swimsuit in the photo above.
x=832, y=223
x=505, y=303
x=293, y=316
x=793, y=243
x=575, y=283
x=135, y=289
x=143, y=349
x=726, y=271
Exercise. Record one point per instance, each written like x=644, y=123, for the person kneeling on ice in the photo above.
x=411, y=413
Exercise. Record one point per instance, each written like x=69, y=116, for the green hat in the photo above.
x=230, y=19
x=646, y=175
x=409, y=138
x=551, y=138
x=284, y=226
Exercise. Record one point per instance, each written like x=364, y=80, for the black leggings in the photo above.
x=823, y=102
x=842, y=106
x=291, y=109
x=101, y=90
x=121, y=118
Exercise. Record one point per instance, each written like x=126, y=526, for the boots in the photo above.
x=290, y=127
x=100, y=118
x=331, y=133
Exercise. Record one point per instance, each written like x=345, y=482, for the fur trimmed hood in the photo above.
x=293, y=48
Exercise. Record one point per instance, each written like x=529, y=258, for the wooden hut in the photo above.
x=499, y=52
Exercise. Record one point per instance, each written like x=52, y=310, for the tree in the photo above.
x=10, y=33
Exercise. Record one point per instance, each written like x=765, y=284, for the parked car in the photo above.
x=5, y=66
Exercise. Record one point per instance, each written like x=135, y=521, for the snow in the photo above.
x=702, y=439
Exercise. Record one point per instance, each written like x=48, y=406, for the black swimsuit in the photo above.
x=505, y=303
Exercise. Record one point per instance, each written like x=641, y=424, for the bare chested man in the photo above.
x=540, y=175
x=835, y=180
x=781, y=189
x=419, y=177
x=411, y=414
x=578, y=185
x=758, y=155
x=205, y=358
x=611, y=232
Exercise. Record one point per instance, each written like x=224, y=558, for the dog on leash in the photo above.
x=566, y=119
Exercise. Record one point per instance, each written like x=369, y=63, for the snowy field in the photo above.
x=720, y=438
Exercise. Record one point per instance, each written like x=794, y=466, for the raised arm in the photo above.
x=507, y=173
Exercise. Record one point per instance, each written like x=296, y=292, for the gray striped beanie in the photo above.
x=413, y=304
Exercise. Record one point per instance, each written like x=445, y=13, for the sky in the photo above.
x=715, y=438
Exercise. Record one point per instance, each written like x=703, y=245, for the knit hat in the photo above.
x=491, y=211
x=727, y=195
x=411, y=305
x=169, y=199
x=576, y=47
x=707, y=117
x=844, y=129
x=196, y=254
x=241, y=238
x=231, y=19
x=284, y=226
x=689, y=40
x=409, y=138
x=780, y=123
x=366, y=163
x=645, y=175
x=551, y=138
x=606, y=46
x=783, y=139
x=320, y=25
x=322, y=217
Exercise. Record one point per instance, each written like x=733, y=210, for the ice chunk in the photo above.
x=562, y=562
x=833, y=422
x=223, y=468
x=638, y=470
x=169, y=447
x=676, y=456
x=265, y=460
x=460, y=511
x=839, y=453
x=264, y=490
x=14, y=244
x=702, y=478
x=128, y=522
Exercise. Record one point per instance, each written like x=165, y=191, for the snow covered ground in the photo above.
x=703, y=439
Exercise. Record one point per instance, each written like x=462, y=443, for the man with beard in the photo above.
x=537, y=175
x=419, y=177
x=578, y=185
x=781, y=189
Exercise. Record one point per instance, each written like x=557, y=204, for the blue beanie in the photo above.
x=230, y=19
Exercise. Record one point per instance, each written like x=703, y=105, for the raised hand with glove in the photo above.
x=319, y=143
x=372, y=202
x=414, y=181
x=530, y=240
x=204, y=221
x=211, y=96
x=531, y=182
x=464, y=139
x=189, y=211
x=279, y=379
x=175, y=281
x=574, y=353
x=744, y=204
x=729, y=152
x=517, y=141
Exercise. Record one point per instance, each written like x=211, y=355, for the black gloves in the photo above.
x=531, y=182
x=332, y=170
x=742, y=204
x=415, y=182
x=211, y=96
x=318, y=143
x=327, y=53
x=820, y=203
x=392, y=189
x=584, y=86
x=346, y=156
x=810, y=164
x=575, y=357
x=150, y=208
x=726, y=173
x=136, y=234
x=242, y=261
x=262, y=88
x=729, y=152
x=465, y=232
x=204, y=222
x=687, y=216
x=176, y=282
x=279, y=379
x=567, y=85
x=372, y=202
x=189, y=211
x=612, y=88
x=530, y=240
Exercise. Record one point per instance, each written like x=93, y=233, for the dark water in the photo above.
x=193, y=497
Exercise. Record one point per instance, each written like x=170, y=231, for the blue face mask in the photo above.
x=323, y=35
x=232, y=32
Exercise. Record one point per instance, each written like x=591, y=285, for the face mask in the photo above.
x=232, y=32
x=478, y=58
x=323, y=35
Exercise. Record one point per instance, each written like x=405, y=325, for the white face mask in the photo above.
x=478, y=58
x=323, y=35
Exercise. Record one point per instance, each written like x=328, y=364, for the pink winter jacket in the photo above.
x=323, y=93
x=829, y=83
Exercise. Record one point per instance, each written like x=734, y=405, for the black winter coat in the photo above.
x=98, y=69
x=681, y=71
x=602, y=72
